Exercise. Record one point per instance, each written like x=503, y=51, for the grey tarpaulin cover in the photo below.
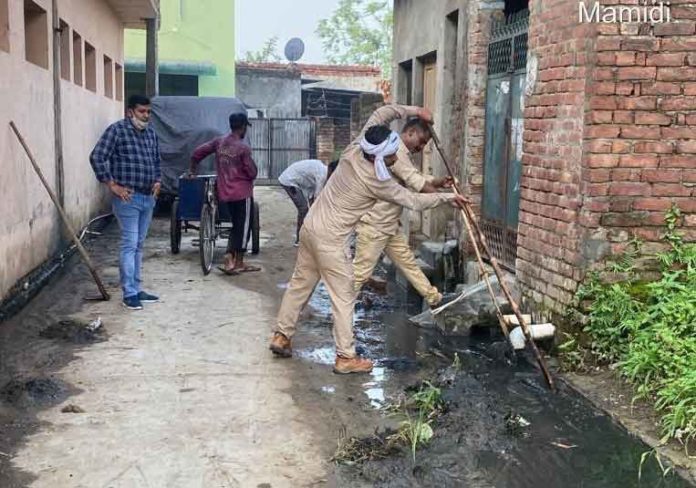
x=184, y=123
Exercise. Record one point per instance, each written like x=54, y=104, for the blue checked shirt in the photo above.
x=127, y=156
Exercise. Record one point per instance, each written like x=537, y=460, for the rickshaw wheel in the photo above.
x=175, y=229
x=207, y=238
x=256, y=231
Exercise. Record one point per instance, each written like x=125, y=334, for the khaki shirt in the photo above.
x=352, y=191
x=386, y=216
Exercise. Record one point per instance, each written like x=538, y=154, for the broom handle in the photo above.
x=484, y=271
x=85, y=256
x=494, y=263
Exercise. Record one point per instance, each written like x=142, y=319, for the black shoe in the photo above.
x=132, y=303
x=147, y=298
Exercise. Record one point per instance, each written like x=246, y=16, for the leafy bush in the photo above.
x=649, y=330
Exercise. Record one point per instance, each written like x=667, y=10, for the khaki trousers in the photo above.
x=370, y=244
x=326, y=260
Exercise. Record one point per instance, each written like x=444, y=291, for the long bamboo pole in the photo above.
x=468, y=215
x=63, y=216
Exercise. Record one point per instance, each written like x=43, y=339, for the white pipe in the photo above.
x=538, y=331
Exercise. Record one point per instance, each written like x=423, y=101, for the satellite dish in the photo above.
x=294, y=49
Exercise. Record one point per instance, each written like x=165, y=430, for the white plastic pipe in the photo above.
x=538, y=331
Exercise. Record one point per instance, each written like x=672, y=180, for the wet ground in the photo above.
x=185, y=393
x=568, y=443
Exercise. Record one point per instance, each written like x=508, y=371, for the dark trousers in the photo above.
x=302, y=206
x=241, y=215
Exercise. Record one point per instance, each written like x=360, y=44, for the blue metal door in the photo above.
x=507, y=60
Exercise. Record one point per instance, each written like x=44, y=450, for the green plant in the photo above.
x=648, y=328
x=418, y=411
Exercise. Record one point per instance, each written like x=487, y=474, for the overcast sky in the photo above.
x=258, y=20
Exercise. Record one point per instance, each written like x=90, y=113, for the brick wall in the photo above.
x=325, y=138
x=640, y=150
x=609, y=142
x=549, y=254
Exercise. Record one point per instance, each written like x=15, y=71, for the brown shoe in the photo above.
x=281, y=345
x=352, y=365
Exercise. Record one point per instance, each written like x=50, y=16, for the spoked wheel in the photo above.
x=175, y=229
x=256, y=231
x=207, y=237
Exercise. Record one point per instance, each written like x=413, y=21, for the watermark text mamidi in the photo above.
x=651, y=11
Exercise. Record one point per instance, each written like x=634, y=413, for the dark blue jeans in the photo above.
x=134, y=218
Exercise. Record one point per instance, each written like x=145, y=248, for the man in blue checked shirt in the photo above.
x=127, y=160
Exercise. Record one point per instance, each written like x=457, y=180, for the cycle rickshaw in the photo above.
x=196, y=208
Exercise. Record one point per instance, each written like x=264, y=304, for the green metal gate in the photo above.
x=507, y=61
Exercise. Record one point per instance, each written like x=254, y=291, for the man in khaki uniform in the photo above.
x=380, y=229
x=360, y=180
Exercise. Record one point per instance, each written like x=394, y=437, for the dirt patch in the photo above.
x=34, y=392
x=74, y=332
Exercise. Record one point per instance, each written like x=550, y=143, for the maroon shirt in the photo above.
x=236, y=170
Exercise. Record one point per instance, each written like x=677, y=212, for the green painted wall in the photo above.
x=194, y=31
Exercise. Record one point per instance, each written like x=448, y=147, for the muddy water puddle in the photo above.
x=560, y=440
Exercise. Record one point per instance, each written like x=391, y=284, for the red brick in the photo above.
x=678, y=103
x=627, y=88
x=692, y=59
x=690, y=89
x=603, y=74
x=636, y=103
x=599, y=146
x=639, y=44
x=654, y=204
x=626, y=174
x=691, y=119
x=624, y=219
x=621, y=147
x=675, y=29
x=602, y=131
x=670, y=190
x=639, y=133
x=666, y=59
x=676, y=74
x=683, y=11
x=647, y=73
x=625, y=58
x=610, y=43
x=602, y=160
x=605, y=88
x=660, y=88
x=688, y=147
x=687, y=44
x=662, y=176
x=603, y=103
x=623, y=117
x=638, y=161
x=679, y=133
x=652, y=118
x=658, y=147
x=629, y=188
x=601, y=117
x=608, y=58
x=599, y=176
x=678, y=161
x=597, y=189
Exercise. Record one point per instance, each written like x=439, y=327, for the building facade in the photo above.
x=195, y=49
x=90, y=91
x=573, y=136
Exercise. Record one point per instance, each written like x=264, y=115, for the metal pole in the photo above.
x=63, y=216
x=151, y=58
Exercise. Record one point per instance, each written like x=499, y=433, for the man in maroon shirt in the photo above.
x=236, y=172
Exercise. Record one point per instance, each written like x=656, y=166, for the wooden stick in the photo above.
x=63, y=216
x=484, y=272
x=496, y=267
